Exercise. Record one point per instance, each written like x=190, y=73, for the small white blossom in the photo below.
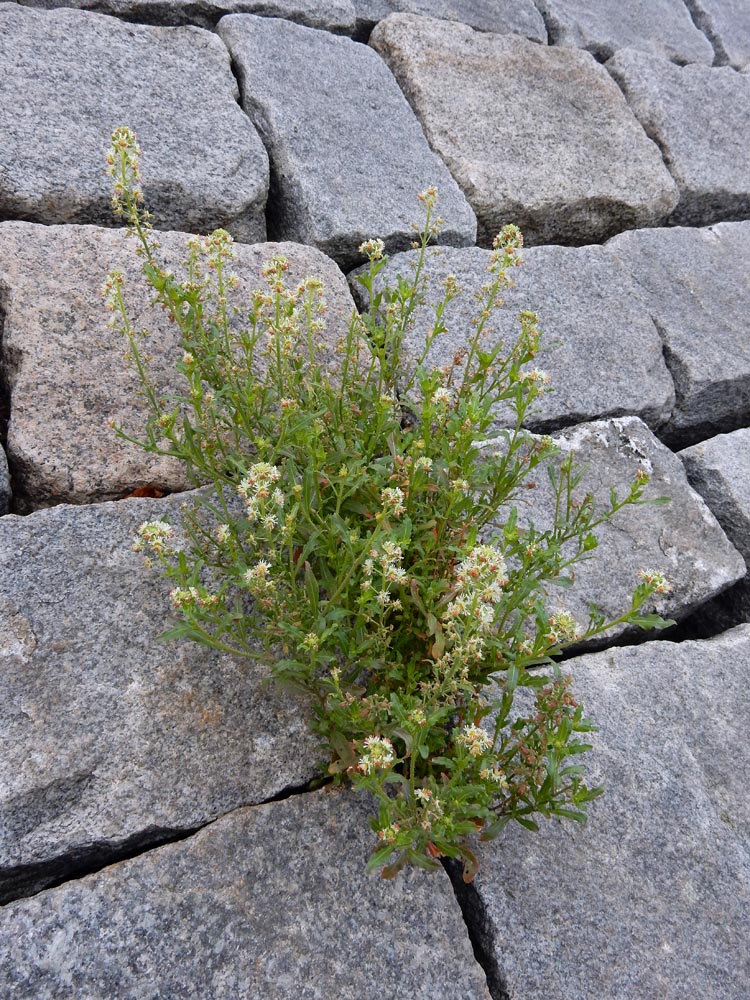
x=475, y=739
x=378, y=753
x=655, y=579
x=393, y=500
x=154, y=535
x=372, y=248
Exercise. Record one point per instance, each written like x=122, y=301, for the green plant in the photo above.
x=359, y=535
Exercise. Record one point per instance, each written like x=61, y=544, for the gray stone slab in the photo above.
x=534, y=135
x=652, y=897
x=270, y=902
x=65, y=371
x=719, y=469
x=69, y=78
x=5, y=486
x=698, y=115
x=515, y=16
x=682, y=539
x=694, y=284
x=590, y=317
x=110, y=739
x=727, y=24
x=662, y=27
x=348, y=157
x=330, y=15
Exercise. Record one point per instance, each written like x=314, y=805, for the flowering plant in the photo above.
x=360, y=535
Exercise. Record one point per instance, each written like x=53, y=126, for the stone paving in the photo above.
x=158, y=832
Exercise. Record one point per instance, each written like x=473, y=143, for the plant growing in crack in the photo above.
x=359, y=534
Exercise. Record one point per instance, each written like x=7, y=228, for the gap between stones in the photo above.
x=4, y=388
x=99, y=856
x=478, y=928
x=551, y=40
x=698, y=21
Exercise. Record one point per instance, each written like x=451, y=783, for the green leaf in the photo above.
x=590, y=542
x=529, y=824
x=652, y=621
x=379, y=857
x=445, y=762
x=495, y=829
x=311, y=589
x=579, y=817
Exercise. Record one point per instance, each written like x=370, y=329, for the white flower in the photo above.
x=154, y=534
x=393, y=500
x=655, y=579
x=372, y=249
x=475, y=739
x=378, y=753
x=563, y=628
x=257, y=573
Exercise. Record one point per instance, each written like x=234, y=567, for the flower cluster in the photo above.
x=257, y=492
x=476, y=740
x=154, y=535
x=656, y=580
x=378, y=754
x=392, y=498
x=372, y=249
x=562, y=627
x=385, y=563
x=189, y=597
x=123, y=165
x=480, y=579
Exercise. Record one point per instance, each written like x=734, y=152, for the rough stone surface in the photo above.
x=64, y=368
x=590, y=318
x=662, y=27
x=331, y=116
x=727, y=24
x=109, y=738
x=719, y=470
x=694, y=284
x=69, y=78
x=5, y=490
x=331, y=15
x=517, y=16
x=698, y=115
x=500, y=110
x=682, y=539
x=652, y=897
x=257, y=905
